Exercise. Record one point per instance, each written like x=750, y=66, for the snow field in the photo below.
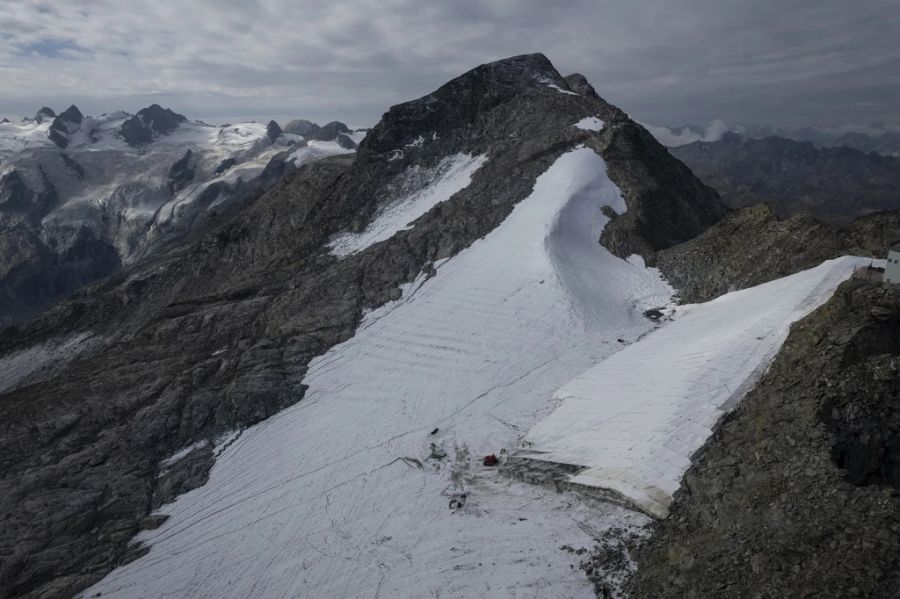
x=634, y=420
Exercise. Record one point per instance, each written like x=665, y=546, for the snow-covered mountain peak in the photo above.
x=65, y=126
x=43, y=114
x=128, y=184
x=150, y=123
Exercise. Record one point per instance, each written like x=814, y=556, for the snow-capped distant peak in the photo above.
x=150, y=123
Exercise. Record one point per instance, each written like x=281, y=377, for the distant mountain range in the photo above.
x=880, y=138
x=834, y=184
x=80, y=196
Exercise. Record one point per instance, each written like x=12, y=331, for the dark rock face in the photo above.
x=579, y=84
x=150, y=123
x=64, y=125
x=834, y=184
x=181, y=173
x=276, y=169
x=14, y=194
x=273, y=131
x=72, y=164
x=301, y=127
x=862, y=411
x=35, y=272
x=753, y=245
x=345, y=142
x=334, y=130
x=667, y=205
x=794, y=495
x=72, y=115
x=81, y=448
x=329, y=131
x=44, y=114
x=38, y=276
x=225, y=165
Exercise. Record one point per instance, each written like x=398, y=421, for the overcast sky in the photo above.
x=781, y=62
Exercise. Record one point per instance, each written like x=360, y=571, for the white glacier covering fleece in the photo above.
x=342, y=495
x=634, y=420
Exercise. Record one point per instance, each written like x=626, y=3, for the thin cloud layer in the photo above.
x=822, y=62
x=674, y=138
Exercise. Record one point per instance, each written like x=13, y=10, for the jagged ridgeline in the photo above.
x=215, y=330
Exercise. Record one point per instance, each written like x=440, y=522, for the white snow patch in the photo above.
x=590, y=123
x=32, y=363
x=337, y=497
x=556, y=87
x=316, y=150
x=635, y=419
x=450, y=176
x=27, y=135
x=561, y=90
x=416, y=143
x=181, y=454
x=637, y=260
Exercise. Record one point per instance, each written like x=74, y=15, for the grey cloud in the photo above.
x=823, y=62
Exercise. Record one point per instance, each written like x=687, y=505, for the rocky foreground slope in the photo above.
x=753, y=245
x=218, y=333
x=796, y=495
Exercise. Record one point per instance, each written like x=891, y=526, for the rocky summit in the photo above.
x=148, y=123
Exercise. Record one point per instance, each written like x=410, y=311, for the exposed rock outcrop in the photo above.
x=329, y=131
x=64, y=125
x=150, y=123
x=44, y=114
x=182, y=172
x=273, y=131
x=753, y=245
x=225, y=165
x=301, y=127
x=667, y=205
x=345, y=142
x=579, y=84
